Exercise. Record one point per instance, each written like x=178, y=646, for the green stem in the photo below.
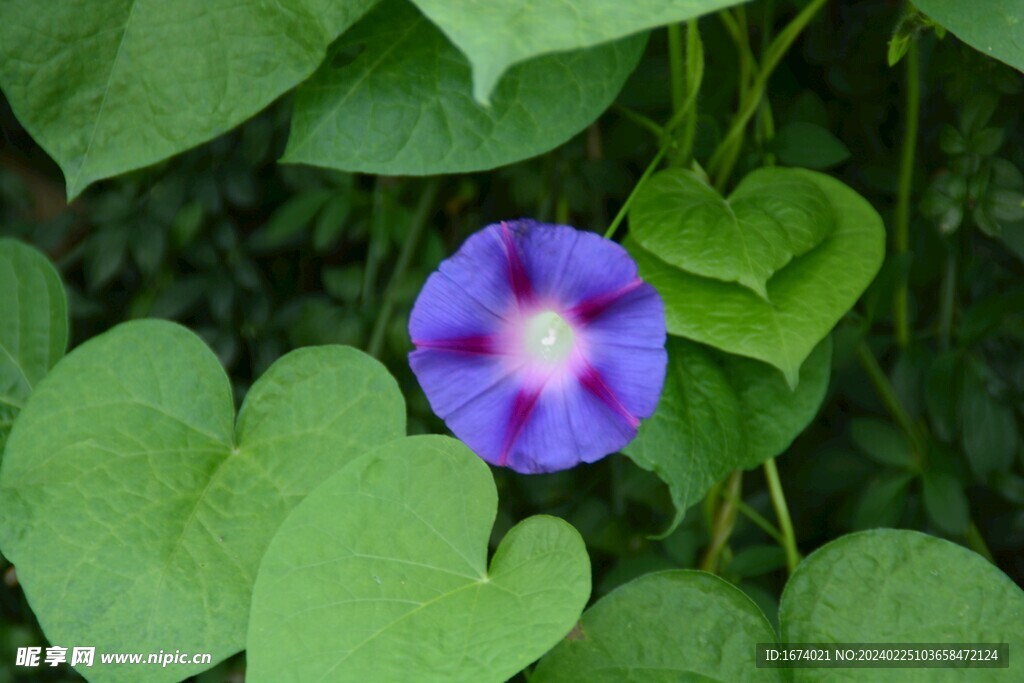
x=771, y=474
x=901, y=238
x=639, y=119
x=725, y=522
x=686, y=115
x=757, y=518
x=420, y=220
x=892, y=403
x=610, y=232
x=694, y=79
x=676, y=71
x=724, y=158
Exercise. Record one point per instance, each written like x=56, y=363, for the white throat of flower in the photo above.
x=548, y=338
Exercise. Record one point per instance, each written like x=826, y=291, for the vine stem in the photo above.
x=756, y=517
x=771, y=474
x=651, y=168
x=724, y=523
x=886, y=392
x=901, y=238
x=419, y=222
x=724, y=158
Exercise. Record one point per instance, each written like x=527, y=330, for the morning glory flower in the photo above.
x=539, y=346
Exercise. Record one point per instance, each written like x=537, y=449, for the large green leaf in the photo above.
x=396, y=98
x=33, y=326
x=135, y=510
x=880, y=586
x=992, y=27
x=774, y=215
x=666, y=627
x=109, y=86
x=806, y=298
x=901, y=587
x=381, y=575
x=719, y=413
x=499, y=33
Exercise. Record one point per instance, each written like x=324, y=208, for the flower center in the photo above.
x=548, y=337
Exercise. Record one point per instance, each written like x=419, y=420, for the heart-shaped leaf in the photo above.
x=774, y=215
x=807, y=297
x=808, y=145
x=900, y=587
x=111, y=86
x=719, y=413
x=396, y=98
x=662, y=628
x=499, y=33
x=381, y=575
x=991, y=27
x=33, y=326
x=136, y=512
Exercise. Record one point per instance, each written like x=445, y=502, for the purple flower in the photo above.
x=539, y=345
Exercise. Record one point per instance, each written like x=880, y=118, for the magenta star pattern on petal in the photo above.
x=539, y=345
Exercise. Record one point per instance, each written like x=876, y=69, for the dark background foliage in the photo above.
x=260, y=258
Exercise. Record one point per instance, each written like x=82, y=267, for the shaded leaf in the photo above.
x=808, y=145
x=78, y=75
x=719, y=413
x=900, y=587
x=662, y=628
x=403, y=105
x=883, y=442
x=499, y=33
x=992, y=27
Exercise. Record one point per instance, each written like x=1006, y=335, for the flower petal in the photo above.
x=445, y=310
x=625, y=346
x=568, y=425
x=635, y=319
x=453, y=379
x=569, y=265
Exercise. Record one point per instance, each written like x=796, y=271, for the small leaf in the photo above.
x=989, y=434
x=883, y=442
x=898, y=46
x=757, y=560
x=946, y=503
x=807, y=297
x=942, y=394
x=33, y=326
x=883, y=501
x=288, y=221
x=403, y=105
x=662, y=627
x=381, y=575
x=331, y=222
x=809, y=146
x=128, y=482
x=900, y=587
x=773, y=216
